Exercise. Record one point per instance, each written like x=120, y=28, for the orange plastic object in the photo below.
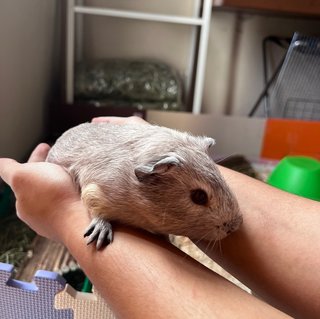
x=291, y=137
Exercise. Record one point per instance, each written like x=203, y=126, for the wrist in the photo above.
x=71, y=223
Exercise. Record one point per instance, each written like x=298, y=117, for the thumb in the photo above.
x=9, y=167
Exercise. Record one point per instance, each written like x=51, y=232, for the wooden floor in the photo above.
x=46, y=254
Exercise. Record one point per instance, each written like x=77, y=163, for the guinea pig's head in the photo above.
x=188, y=194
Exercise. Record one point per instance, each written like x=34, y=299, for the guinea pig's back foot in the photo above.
x=99, y=231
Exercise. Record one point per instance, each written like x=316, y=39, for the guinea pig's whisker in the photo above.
x=213, y=244
x=208, y=245
x=209, y=242
x=220, y=246
x=221, y=159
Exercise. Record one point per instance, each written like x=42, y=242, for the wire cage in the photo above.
x=295, y=92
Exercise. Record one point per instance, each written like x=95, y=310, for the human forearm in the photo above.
x=276, y=247
x=141, y=276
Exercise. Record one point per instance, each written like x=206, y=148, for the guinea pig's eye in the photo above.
x=199, y=196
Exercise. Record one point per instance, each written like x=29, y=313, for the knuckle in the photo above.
x=18, y=180
x=135, y=119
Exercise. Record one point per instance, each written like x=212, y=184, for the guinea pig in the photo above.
x=149, y=177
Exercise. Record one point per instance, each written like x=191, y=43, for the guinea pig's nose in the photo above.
x=227, y=227
x=232, y=225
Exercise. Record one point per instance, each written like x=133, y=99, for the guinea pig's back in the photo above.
x=84, y=142
x=106, y=142
x=92, y=141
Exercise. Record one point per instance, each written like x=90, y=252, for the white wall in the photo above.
x=118, y=37
x=28, y=56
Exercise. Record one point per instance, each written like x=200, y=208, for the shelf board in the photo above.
x=297, y=7
x=139, y=15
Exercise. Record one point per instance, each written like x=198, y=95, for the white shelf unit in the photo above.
x=201, y=20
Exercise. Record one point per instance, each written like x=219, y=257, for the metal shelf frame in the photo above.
x=198, y=52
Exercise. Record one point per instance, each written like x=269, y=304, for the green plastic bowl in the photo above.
x=299, y=175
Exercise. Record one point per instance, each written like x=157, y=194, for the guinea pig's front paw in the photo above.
x=100, y=231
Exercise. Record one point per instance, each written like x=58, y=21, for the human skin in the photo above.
x=139, y=273
x=276, y=252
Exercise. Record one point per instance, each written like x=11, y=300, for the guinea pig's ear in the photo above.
x=162, y=166
x=209, y=142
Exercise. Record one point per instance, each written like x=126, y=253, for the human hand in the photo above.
x=119, y=120
x=44, y=192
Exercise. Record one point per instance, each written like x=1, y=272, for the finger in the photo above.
x=100, y=119
x=119, y=120
x=8, y=167
x=40, y=153
x=109, y=119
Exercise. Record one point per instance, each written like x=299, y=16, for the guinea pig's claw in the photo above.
x=100, y=231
